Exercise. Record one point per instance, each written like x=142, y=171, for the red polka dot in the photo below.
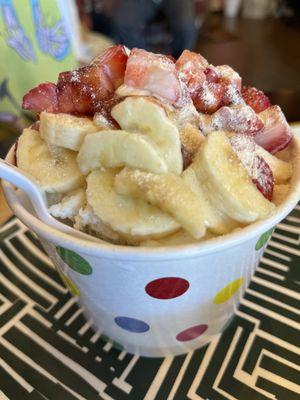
x=191, y=333
x=167, y=288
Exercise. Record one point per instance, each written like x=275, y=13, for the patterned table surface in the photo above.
x=48, y=350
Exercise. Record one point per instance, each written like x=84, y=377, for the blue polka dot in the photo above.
x=132, y=324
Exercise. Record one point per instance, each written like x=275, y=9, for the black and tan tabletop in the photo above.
x=49, y=350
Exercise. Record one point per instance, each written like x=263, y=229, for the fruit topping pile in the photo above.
x=137, y=147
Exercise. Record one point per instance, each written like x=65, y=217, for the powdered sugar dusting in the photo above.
x=240, y=119
x=75, y=76
x=233, y=96
x=229, y=76
x=207, y=95
x=258, y=169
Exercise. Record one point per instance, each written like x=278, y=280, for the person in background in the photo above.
x=96, y=15
x=132, y=16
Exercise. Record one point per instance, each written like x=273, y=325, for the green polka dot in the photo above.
x=75, y=261
x=263, y=239
x=105, y=338
x=117, y=345
x=70, y=285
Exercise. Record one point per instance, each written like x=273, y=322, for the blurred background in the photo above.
x=38, y=38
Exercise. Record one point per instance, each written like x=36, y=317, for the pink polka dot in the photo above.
x=191, y=333
x=167, y=288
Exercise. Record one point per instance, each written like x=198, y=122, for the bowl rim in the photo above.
x=136, y=253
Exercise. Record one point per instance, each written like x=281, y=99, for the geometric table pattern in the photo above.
x=49, y=350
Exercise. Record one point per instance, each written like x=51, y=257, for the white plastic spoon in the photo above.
x=38, y=199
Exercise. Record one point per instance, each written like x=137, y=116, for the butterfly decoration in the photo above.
x=52, y=40
x=16, y=37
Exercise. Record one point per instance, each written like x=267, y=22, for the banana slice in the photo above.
x=191, y=138
x=133, y=218
x=137, y=114
x=115, y=148
x=169, y=192
x=227, y=182
x=55, y=169
x=282, y=170
x=88, y=222
x=214, y=220
x=280, y=193
x=65, y=130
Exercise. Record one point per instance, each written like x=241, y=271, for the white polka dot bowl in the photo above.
x=158, y=301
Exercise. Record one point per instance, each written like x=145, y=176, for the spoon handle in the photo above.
x=38, y=199
x=21, y=180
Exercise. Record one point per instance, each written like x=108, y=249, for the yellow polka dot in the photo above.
x=70, y=285
x=228, y=291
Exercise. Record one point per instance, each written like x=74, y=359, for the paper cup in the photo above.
x=159, y=301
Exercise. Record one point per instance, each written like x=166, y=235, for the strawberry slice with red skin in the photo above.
x=258, y=169
x=191, y=67
x=209, y=97
x=229, y=76
x=265, y=179
x=190, y=59
x=276, y=134
x=211, y=75
x=41, y=98
x=256, y=99
x=105, y=108
x=232, y=96
x=155, y=74
x=113, y=60
x=82, y=91
x=237, y=118
x=233, y=82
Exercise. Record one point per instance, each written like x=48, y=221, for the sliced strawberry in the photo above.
x=239, y=119
x=233, y=82
x=276, y=134
x=256, y=99
x=191, y=67
x=41, y=98
x=258, y=169
x=208, y=99
x=82, y=91
x=262, y=177
x=194, y=60
x=232, y=96
x=105, y=108
x=114, y=60
x=211, y=74
x=229, y=76
x=67, y=92
x=154, y=73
